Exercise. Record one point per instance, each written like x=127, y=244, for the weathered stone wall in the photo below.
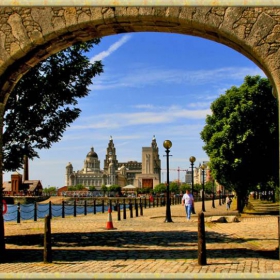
x=30, y=34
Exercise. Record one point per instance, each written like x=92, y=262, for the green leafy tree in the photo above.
x=104, y=189
x=49, y=190
x=92, y=188
x=197, y=188
x=80, y=187
x=174, y=187
x=115, y=189
x=144, y=190
x=44, y=102
x=184, y=187
x=160, y=188
x=241, y=137
x=208, y=187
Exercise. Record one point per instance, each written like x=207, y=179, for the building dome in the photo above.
x=92, y=154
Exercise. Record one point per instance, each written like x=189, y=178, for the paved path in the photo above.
x=144, y=247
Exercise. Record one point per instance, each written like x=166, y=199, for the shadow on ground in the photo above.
x=112, y=245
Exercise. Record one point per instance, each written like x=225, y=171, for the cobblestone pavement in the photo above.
x=144, y=246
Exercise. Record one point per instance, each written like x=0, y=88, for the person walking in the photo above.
x=228, y=202
x=188, y=202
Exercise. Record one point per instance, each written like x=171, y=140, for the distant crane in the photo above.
x=179, y=170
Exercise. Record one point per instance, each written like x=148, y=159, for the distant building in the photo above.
x=144, y=174
x=188, y=177
x=19, y=186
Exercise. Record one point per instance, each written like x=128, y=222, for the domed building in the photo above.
x=90, y=175
x=140, y=174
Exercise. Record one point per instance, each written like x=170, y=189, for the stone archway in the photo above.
x=31, y=34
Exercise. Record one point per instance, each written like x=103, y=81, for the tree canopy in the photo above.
x=241, y=136
x=44, y=103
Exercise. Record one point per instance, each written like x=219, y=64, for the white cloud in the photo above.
x=111, y=49
x=147, y=76
x=159, y=115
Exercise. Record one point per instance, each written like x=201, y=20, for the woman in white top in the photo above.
x=188, y=201
x=228, y=202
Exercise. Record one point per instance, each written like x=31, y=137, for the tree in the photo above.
x=44, y=102
x=241, y=137
x=50, y=190
x=92, y=188
x=160, y=188
x=174, y=187
x=184, y=187
x=104, y=189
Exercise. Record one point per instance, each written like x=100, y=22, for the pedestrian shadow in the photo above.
x=112, y=245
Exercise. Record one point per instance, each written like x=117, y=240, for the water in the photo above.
x=27, y=211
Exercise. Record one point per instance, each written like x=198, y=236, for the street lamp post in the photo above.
x=192, y=160
x=167, y=144
x=203, y=202
x=213, y=197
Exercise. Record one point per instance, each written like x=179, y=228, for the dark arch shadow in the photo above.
x=112, y=245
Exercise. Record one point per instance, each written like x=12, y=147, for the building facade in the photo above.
x=145, y=174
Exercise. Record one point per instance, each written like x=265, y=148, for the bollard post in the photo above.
x=279, y=237
x=47, y=241
x=130, y=208
x=50, y=209
x=110, y=204
x=119, y=210
x=35, y=211
x=201, y=240
x=124, y=209
x=102, y=205
x=141, y=208
x=75, y=208
x=85, y=207
x=145, y=202
x=63, y=209
x=18, y=213
x=94, y=207
x=136, y=209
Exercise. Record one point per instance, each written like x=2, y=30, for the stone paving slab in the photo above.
x=144, y=245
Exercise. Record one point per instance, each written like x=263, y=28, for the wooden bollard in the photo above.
x=18, y=213
x=50, y=209
x=279, y=236
x=102, y=205
x=136, y=209
x=119, y=210
x=94, y=207
x=75, y=208
x=85, y=207
x=35, y=211
x=131, y=210
x=47, y=241
x=124, y=210
x=141, y=208
x=63, y=209
x=201, y=240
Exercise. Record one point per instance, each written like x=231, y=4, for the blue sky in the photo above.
x=153, y=84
